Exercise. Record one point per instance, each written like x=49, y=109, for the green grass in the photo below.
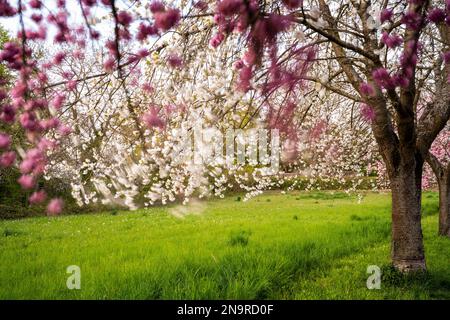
x=294, y=246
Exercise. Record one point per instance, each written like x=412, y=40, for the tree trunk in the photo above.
x=407, y=241
x=442, y=174
x=444, y=205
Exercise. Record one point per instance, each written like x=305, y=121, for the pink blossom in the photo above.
x=71, y=85
x=26, y=166
x=400, y=80
x=6, y=10
x=391, y=41
x=245, y=76
x=26, y=181
x=58, y=101
x=242, y=24
x=386, y=15
x=11, y=53
x=229, y=7
x=19, y=90
x=109, y=65
x=366, y=89
x=89, y=3
x=7, y=113
x=367, y=113
x=46, y=144
x=43, y=78
x=144, y=31
x=67, y=75
x=35, y=4
x=50, y=123
x=78, y=54
x=95, y=34
x=383, y=79
x=28, y=121
x=249, y=57
x=267, y=28
x=35, y=161
x=147, y=87
x=7, y=159
x=436, y=15
x=216, y=40
x=55, y=207
x=157, y=6
x=5, y=141
x=64, y=130
x=174, y=61
x=142, y=53
x=124, y=18
x=239, y=64
x=111, y=46
x=219, y=18
x=36, y=17
x=412, y=20
x=37, y=197
x=152, y=119
x=35, y=105
x=293, y=4
x=446, y=57
x=167, y=19
x=59, y=57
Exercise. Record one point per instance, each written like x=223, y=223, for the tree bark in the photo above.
x=407, y=241
x=444, y=205
x=442, y=174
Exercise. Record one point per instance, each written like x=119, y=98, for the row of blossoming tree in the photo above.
x=238, y=63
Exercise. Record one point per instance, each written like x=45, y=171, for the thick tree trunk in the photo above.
x=444, y=205
x=407, y=241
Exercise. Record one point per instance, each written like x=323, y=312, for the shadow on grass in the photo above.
x=252, y=271
x=436, y=283
x=324, y=195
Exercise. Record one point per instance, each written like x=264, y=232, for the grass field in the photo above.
x=293, y=246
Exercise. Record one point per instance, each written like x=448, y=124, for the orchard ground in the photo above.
x=277, y=246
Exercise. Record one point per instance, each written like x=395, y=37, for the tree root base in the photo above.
x=410, y=266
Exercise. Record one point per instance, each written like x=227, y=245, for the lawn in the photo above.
x=275, y=246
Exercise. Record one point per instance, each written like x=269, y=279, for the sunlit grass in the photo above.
x=294, y=246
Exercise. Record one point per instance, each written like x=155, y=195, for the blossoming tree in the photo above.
x=379, y=53
x=386, y=52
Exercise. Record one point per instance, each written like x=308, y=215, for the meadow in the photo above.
x=298, y=245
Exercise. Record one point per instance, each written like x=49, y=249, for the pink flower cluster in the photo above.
x=367, y=113
x=386, y=15
x=146, y=30
x=152, y=118
x=6, y=10
x=165, y=18
x=262, y=31
x=55, y=207
x=402, y=78
x=366, y=89
x=391, y=41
